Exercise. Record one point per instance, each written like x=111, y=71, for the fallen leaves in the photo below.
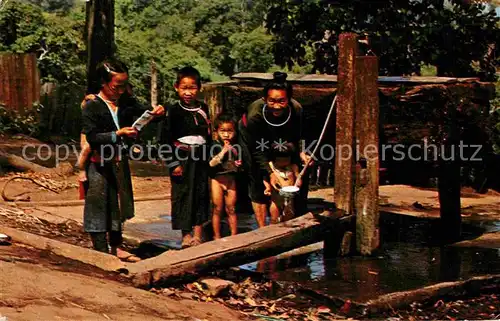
x=485, y=306
x=251, y=298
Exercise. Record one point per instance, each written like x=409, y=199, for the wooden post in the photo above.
x=367, y=161
x=100, y=24
x=357, y=143
x=342, y=244
x=154, y=84
x=449, y=174
x=344, y=163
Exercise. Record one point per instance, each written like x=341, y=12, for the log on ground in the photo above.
x=106, y=262
x=24, y=165
x=472, y=286
x=175, y=266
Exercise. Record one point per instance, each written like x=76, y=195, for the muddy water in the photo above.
x=410, y=257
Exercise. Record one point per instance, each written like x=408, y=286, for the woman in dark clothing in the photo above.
x=271, y=123
x=109, y=200
x=186, y=134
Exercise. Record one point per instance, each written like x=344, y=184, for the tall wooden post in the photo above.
x=154, y=84
x=367, y=165
x=449, y=173
x=356, y=163
x=100, y=24
x=344, y=160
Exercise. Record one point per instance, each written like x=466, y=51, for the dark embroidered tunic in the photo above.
x=109, y=200
x=190, y=194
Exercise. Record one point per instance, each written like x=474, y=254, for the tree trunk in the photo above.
x=100, y=24
x=21, y=163
x=24, y=165
x=154, y=84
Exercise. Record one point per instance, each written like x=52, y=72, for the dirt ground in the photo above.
x=55, y=288
x=142, y=186
x=37, y=285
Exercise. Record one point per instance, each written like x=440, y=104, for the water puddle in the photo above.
x=410, y=257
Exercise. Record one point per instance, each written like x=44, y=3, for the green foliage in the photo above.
x=57, y=40
x=59, y=6
x=13, y=122
x=252, y=51
x=403, y=34
x=428, y=70
x=20, y=24
x=178, y=33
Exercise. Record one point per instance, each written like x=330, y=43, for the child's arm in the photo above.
x=217, y=159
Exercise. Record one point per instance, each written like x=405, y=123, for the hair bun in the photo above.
x=279, y=76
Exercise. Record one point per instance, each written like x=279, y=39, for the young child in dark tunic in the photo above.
x=224, y=168
x=184, y=147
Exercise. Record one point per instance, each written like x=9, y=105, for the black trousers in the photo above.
x=100, y=240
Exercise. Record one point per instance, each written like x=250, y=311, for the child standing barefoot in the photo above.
x=224, y=167
x=184, y=141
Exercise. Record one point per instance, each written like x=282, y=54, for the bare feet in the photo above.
x=196, y=241
x=186, y=241
x=126, y=256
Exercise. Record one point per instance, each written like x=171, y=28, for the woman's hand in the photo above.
x=127, y=131
x=158, y=110
x=306, y=158
x=178, y=171
x=267, y=190
x=275, y=181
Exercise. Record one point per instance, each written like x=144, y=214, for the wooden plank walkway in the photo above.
x=173, y=266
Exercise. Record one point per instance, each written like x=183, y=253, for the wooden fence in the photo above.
x=19, y=81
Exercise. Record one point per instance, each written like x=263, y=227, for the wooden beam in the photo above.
x=102, y=260
x=344, y=163
x=174, y=266
x=367, y=161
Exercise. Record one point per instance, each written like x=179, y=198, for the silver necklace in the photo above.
x=189, y=108
x=272, y=124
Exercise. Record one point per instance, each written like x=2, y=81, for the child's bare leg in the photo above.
x=274, y=210
x=218, y=204
x=230, y=201
x=198, y=231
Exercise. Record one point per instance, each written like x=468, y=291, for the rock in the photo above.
x=215, y=286
x=187, y=295
x=4, y=239
x=168, y=292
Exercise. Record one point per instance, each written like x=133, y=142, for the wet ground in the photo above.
x=410, y=257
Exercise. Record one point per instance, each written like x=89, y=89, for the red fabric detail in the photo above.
x=244, y=120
